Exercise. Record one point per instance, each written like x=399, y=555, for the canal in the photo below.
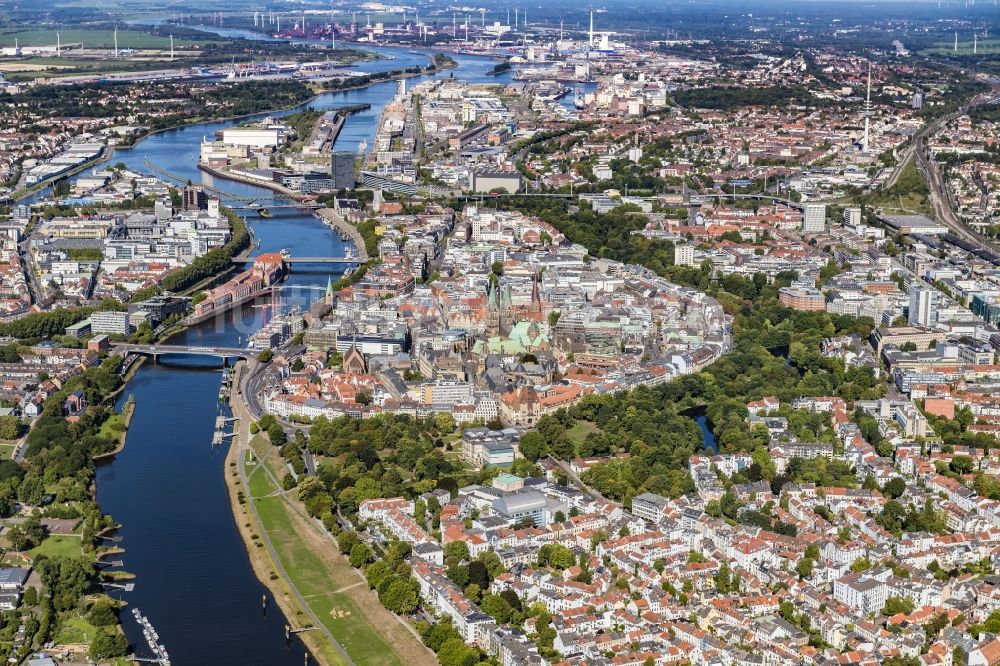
x=699, y=414
x=193, y=577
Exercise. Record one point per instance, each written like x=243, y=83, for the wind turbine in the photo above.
x=116, y=42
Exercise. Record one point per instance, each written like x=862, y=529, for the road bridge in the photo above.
x=704, y=198
x=289, y=260
x=156, y=351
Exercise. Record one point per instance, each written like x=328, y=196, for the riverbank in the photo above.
x=321, y=581
x=126, y=415
x=261, y=561
x=333, y=219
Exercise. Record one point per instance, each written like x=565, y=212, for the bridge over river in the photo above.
x=290, y=260
x=156, y=351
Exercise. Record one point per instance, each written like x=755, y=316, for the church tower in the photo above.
x=536, y=297
x=506, y=311
x=492, y=309
x=328, y=294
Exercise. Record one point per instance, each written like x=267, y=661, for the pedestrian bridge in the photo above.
x=188, y=350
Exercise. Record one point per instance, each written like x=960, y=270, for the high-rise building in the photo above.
x=342, y=169
x=684, y=255
x=852, y=217
x=813, y=218
x=195, y=198
x=923, y=306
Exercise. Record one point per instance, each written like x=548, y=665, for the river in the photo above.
x=193, y=576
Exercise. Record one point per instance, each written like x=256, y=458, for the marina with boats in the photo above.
x=152, y=638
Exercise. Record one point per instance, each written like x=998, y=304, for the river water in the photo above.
x=193, y=576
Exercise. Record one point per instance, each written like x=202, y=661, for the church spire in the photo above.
x=536, y=298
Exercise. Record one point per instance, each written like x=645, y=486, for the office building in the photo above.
x=986, y=306
x=923, y=306
x=112, y=323
x=161, y=306
x=813, y=218
x=342, y=169
x=802, y=297
x=852, y=217
x=490, y=448
x=195, y=198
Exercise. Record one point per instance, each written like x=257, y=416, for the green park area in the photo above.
x=327, y=583
x=578, y=433
x=58, y=545
x=908, y=196
x=75, y=630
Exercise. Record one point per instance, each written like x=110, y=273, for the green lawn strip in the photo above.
x=578, y=433
x=75, y=629
x=113, y=427
x=261, y=486
x=309, y=574
x=58, y=545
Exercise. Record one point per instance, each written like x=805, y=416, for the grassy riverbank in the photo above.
x=265, y=570
x=308, y=556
